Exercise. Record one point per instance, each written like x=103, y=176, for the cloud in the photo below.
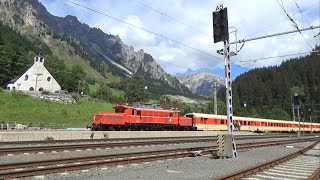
x=251, y=18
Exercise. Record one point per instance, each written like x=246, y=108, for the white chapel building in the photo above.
x=36, y=78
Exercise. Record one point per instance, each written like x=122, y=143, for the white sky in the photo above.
x=251, y=18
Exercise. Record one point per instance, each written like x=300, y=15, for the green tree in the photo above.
x=103, y=92
x=135, y=88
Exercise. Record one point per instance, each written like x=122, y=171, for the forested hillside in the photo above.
x=267, y=92
x=17, y=53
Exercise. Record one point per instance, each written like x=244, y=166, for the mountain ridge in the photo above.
x=201, y=82
x=110, y=54
x=109, y=46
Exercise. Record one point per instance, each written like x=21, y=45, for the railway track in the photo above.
x=15, y=170
x=133, y=139
x=304, y=164
x=64, y=147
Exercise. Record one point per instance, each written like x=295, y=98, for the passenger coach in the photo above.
x=207, y=122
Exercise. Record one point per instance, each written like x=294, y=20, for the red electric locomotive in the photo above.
x=139, y=116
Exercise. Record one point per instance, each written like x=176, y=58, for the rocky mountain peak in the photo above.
x=201, y=82
x=107, y=47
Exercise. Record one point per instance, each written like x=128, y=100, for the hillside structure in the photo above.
x=36, y=78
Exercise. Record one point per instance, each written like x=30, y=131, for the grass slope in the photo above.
x=23, y=109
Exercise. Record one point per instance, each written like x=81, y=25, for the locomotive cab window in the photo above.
x=119, y=110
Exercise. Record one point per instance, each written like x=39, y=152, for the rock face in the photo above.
x=31, y=17
x=201, y=82
x=108, y=47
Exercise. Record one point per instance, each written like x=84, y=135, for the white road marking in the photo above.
x=269, y=177
x=172, y=171
x=39, y=177
x=65, y=173
x=289, y=176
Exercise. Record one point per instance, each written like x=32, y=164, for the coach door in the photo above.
x=193, y=120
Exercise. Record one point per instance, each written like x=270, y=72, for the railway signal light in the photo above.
x=220, y=25
x=309, y=113
x=296, y=100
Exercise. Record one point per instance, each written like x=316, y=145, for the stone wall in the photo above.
x=58, y=98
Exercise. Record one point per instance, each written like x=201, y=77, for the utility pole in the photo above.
x=297, y=102
x=293, y=114
x=310, y=119
x=215, y=106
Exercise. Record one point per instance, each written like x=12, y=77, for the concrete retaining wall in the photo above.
x=69, y=135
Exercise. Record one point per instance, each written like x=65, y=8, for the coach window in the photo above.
x=139, y=113
x=215, y=121
x=114, y=118
x=245, y=123
x=171, y=114
x=132, y=112
x=205, y=120
x=222, y=121
x=119, y=119
x=108, y=118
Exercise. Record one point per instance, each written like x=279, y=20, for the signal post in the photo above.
x=221, y=33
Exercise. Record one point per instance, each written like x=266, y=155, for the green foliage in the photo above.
x=18, y=95
x=135, y=88
x=28, y=110
x=103, y=92
x=268, y=92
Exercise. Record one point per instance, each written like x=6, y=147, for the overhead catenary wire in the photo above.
x=302, y=15
x=151, y=32
x=294, y=24
x=174, y=19
x=272, y=57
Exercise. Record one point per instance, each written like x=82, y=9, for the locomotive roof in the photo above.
x=142, y=106
x=245, y=118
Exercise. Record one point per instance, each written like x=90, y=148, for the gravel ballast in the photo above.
x=202, y=167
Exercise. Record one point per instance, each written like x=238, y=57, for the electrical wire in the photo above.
x=294, y=24
x=149, y=31
x=172, y=18
x=272, y=57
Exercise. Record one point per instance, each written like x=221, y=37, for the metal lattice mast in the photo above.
x=229, y=94
x=215, y=105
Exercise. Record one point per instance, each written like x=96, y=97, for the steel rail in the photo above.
x=116, y=159
x=49, y=148
x=129, y=139
x=263, y=166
